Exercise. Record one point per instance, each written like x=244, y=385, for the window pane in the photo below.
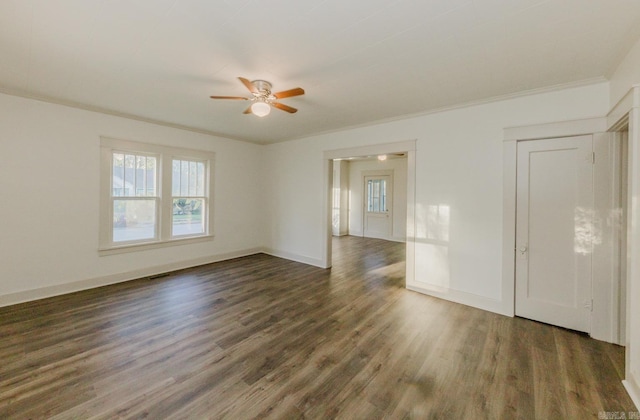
x=377, y=195
x=134, y=219
x=133, y=175
x=188, y=216
x=129, y=175
x=184, y=178
x=200, y=191
x=175, y=178
x=192, y=178
x=117, y=183
x=188, y=178
x=141, y=166
x=151, y=177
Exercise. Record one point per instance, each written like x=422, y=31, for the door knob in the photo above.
x=522, y=250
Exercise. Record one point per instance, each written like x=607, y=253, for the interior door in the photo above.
x=553, y=231
x=377, y=206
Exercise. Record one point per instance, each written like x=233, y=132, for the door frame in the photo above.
x=408, y=147
x=605, y=316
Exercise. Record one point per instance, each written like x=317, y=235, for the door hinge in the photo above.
x=589, y=304
x=593, y=159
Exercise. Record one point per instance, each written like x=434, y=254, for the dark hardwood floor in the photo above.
x=263, y=337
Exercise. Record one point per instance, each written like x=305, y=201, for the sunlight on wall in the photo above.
x=588, y=230
x=335, y=209
x=438, y=223
x=432, y=246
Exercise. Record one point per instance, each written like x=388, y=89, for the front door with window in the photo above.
x=377, y=206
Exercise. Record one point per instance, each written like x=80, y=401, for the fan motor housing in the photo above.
x=262, y=86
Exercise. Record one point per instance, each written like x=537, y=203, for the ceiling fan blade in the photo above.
x=289, y=93
x=247, y=111
x=229, y=97
x=284, y=107
x=249, y=85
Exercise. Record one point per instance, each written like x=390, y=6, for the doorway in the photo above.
x=407, y=149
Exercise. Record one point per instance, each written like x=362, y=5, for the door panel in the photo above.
x=377, y=206
x=553, y=231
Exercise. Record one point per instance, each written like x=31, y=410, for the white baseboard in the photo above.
x=360, y=234
x=469, y=299
x=76, y=286
x=633, y=390
x=294, y=257
x=398, y=239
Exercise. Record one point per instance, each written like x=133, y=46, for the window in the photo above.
x=189, y=200
x=153, y=195
x=376, y=196
x=134, y=197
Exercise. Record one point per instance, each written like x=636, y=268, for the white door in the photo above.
x=553, y=231
x=377, y=206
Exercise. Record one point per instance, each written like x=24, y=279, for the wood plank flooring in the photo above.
x=263, y=337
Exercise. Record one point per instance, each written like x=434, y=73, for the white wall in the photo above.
x=458, y=168
x=49, y=164
x=626, y=75
x=356, y=204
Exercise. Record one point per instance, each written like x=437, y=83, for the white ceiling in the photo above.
x=358, y=61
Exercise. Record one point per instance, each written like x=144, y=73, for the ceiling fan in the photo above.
x=262, y=97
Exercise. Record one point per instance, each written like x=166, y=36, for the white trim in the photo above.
x=632, y=338
x=469, y=104
x=61, y=289
x=410, y=256
x=625, y=116
x=370, y=150
x=327, y=211
x=633, y=390
x=457, y=296
x=556, y=129
x=509, y=159
x=294, y=257
x=128, y=116
x=620, y=111
x=106, y=111
x=155, y=245
x=164, y=197
x=605, y=319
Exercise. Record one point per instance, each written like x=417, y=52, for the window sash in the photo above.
x=188, y=177
x=138, y=176
x=129, y=226
x=186, y=220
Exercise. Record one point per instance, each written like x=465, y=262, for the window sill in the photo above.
x=122, y=249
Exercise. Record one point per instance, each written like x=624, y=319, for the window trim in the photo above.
x=165, y=156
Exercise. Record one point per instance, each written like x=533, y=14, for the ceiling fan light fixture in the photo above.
x=263, y=99
x=261, y=109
